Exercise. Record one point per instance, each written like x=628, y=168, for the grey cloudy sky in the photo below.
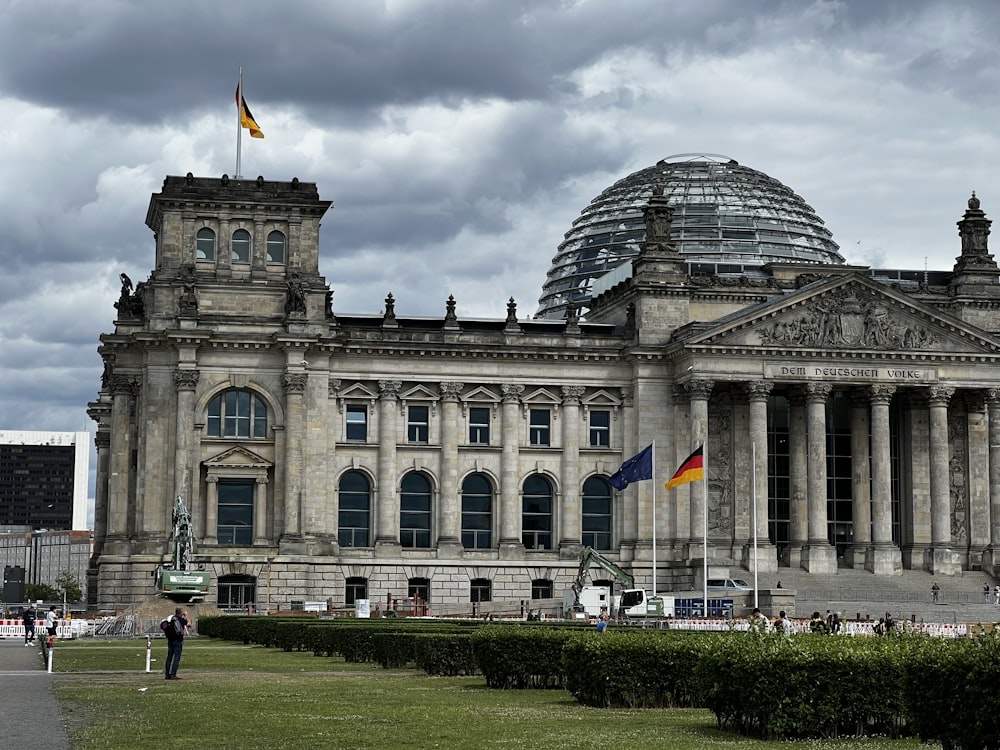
x=460, y=138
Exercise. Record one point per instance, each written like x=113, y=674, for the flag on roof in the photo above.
x=635, y=469
x=246, y=117
x=690, y=471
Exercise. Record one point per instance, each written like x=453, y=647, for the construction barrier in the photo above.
x=14, y=628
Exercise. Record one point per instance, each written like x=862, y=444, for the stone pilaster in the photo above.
x=819, y=556
x=387, y=535
x=861, y=489
x=758, y=392
x=798, y=478
x=450, y=514
x=699, y=392
x=571, y=524
x=885, y=558
x=978, y=474
x=102, y=440
x=186, y=381
x=120, y=477
x=511, y=546
x=991, y=557
x=294, y=383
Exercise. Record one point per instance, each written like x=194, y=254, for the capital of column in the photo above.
x=572, y=394
x=975, y=401
x=123, y=385
x=758, y=390
x=700, y=389
x=627, y=396
x=186, y=380
x=212, y=479
x=881, y=393
x=993, y=396
x=940, y=395
x=511, y=393
x=102, y=440
x=451, y=391
x=389, y=389
x=262, y=479
x=294, y=382
x=817, y=392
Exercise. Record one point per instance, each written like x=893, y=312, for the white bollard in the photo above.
x=149, y=651
x=52, y=644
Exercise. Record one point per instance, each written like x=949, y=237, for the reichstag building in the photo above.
x=850, y=415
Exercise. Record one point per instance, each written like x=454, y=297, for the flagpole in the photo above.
x=753, y=497
x=239, y=123
x=704, y=521
x=654, y=514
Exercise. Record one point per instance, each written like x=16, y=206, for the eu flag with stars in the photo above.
x=635, y=469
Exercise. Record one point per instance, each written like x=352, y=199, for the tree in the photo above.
x=69, y=585
x=34, y=592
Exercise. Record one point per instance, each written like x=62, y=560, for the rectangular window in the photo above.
x=539, y=426
x=600, y=428
x=479, y=425
x=235, y=524
x=357, y=422
x=417, y=424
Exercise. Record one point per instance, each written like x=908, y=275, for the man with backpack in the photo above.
x=174, y=629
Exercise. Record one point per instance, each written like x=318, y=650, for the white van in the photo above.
x=728, y=584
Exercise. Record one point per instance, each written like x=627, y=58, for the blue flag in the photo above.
x=635, y=469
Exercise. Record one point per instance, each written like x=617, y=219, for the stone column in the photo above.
x=699, y=392
x=511, y=546
x=450, y=512
x=295, y=385
x=211, y=535
x=885, y=558
x=978, y=473
x=571, y=531
x=758, y=393
x=260, y=512
x=819, y=556
x=119, y=474
x=387, y=536
x=798, y=477
x=186, y=381
x=991, y=558
x=861, y=490
x=102, y=440
x=942, y=559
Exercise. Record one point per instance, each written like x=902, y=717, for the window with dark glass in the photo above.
x=541, y=588
x=205, y=246
x=600, y=428
x=480, y=590
x=355, y=588
x=417, y=424
x=536, y=513
x=597, y=513
x=275, y=247
x=354, y=515
x=235, y=516
x=241, y=246
x=420, y=588
x=236, y=592
x=237, y=413
x=357, y=422
x=539, y=428
x=479, y=425
x=477, y=512
x=415, y=511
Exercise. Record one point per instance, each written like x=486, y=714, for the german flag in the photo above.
x=690, y=471
x=246, y=118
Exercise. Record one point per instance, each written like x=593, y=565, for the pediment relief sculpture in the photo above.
x=849, y=318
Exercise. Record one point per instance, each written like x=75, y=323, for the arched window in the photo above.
x=477, y=512
x=415, y=511
x=354, y=521
x=205, y=247
x=597, y=513
x=241, y=246
x=536, y=513
x=275, y=247
x=237, y=413
x=480, y=590
x=355, y=588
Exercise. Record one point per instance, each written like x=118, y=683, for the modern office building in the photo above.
x=850, y=417
x=43, y=479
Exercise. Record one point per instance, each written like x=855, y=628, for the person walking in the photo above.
x=175, y=631
x=935, y=591
x=51, y=622
x=996, y=594
x=986, y=593
x=28, y=618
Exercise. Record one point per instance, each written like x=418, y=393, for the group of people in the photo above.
x=28, y=616
x=996, y=594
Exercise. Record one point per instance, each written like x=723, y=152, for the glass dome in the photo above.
x=728, y=220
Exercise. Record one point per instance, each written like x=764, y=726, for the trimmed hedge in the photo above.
x=515, y=657
x=444, y=654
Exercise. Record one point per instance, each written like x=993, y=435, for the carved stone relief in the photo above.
x=719, y=482
x=957, y=485
x=848, y=318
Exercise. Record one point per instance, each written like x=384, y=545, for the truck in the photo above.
x=177, y=580
x=586, y=599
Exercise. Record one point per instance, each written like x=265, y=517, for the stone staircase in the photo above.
x=858, y=593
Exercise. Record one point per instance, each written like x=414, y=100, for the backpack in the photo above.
x=168, y=628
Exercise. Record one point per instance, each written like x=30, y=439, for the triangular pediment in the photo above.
x=419, y=393
x=846, y=313
x=357, y=391
x=541, y=396
x=238, y=457
x=601, y=398
x=482, y=395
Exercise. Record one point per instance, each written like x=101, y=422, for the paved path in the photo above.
x=30, y=715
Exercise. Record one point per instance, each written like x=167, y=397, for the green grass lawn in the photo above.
x=236, y=696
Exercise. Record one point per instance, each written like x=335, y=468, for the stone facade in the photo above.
x=330, y=456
